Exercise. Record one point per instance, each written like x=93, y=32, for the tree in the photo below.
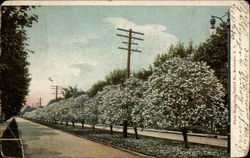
x=80, y=109
x=92, y=110
x=96, y=87
x=138, y=112
x=214, y=52
x=71, y=92
x=126, y=96
x=14, y=74
x=183, y=93
x=26, y=109
x=116, y=76
x=143, y=74
x=179, y=50
x=133, y=93
x=55, y=100
x=109, y=106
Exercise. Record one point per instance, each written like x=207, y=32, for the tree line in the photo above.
x=180, y=89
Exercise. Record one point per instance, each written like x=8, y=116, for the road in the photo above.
x=44, y=142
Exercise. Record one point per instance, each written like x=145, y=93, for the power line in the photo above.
x=56, y=88
x=130, y=37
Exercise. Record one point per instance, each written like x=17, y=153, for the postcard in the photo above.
x=109, y=79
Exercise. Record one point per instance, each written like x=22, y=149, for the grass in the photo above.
x=11, y=148
x=156, y=147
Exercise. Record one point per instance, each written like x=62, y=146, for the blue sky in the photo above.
x=77, y=45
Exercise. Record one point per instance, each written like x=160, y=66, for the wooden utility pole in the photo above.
x=130, y=50
x=56, y=88
x=40, y=102
x=129, y=53
x=129, y=43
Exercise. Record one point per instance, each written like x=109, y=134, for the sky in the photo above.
x=77, y=45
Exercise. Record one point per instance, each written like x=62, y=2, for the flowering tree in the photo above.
x=80, y=108
x=185, y=94
x=109, y=106
x=123, y=109
x=132, y=95
x=120, y=102
x=92, y=110
x=138, y=111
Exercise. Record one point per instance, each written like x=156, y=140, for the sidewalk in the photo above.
x=44, y=142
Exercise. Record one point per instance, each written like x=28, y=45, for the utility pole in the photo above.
x=56, y=88
x=130, y=37
x=40, y=102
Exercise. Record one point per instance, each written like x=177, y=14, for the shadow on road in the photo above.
x=33, y=132
x=40, y=151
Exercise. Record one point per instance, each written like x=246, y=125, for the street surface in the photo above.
x=44, y=142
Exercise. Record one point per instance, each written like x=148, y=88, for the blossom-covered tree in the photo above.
x=138, y=111
x=183, y=93
x=109, y=106
x=132, y=96
x=80, y=109
x=92, y=110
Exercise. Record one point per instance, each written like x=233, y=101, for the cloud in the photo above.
x=74, y=40
x=154, y=34
x=156, y=39
x=84, y=67
x=85, y=39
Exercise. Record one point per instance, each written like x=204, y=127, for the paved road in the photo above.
x=44, y=142
x=194, y=139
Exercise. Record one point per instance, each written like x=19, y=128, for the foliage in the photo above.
x=71, y=92
x=143, y=74
x=92, y=110
x=96, y=87
x=14, y=74
x=185, y=94
x=109, y=105
x=116, y=76
x=132, y=95
x=26, y=109
x=214, y=52
x=178, y=50
x=55, y=100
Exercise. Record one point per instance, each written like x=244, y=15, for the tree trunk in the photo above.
x=111, y=129
x=67, y=123
x=184, y=132
x=82, y=124
x=73, y=123
x=61, y=122
x=136, y=134
x=125, y=128
x=93, y=127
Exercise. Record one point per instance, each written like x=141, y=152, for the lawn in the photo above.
x=156, y=147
